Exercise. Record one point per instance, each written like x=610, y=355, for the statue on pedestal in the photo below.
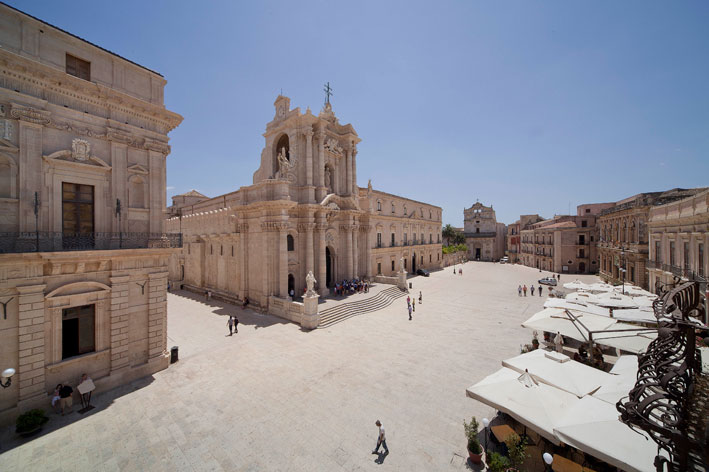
x=401, y=265
x=310, y=283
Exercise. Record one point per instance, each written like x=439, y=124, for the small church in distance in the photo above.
x=304, y=212
x=484, y=236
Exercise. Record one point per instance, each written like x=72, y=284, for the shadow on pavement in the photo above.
x=100, y=401
x=246, y=317
x=380, y=457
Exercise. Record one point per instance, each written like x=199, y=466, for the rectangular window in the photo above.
x=379, y=239
x=78, y=67
x=392, y=266
x=632, y=274
x=406, y=238
x=582, y=253
x=405, y=266
x=584, y=223
x=672, y=254
x=393, y=242
x=700, y=255
x=686, y=255
x=379, y=268
x=232, y=251
x=582, y=239
x=430, y=238
x=658, y=252
x=78, y=330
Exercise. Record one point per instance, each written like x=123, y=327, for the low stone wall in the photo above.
x=449, y=259
x=286, y=309
x=383, y=279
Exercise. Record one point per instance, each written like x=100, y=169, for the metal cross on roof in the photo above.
x=328, y=92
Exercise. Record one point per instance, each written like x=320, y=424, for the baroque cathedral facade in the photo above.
x=304, y=212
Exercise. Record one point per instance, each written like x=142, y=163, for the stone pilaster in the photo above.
x=31, y=345
x=321, y=190
x=354, y=169
x=283, y=260
x=243, y=230
x=309, y=243
x=118, y=183
x=348, y=173
x=322, y=259
x=157, y=315
x=120, y=357
x=156, y=163
x=355, y=250
x=308, y=156
x=347, y=229
x=30, y=168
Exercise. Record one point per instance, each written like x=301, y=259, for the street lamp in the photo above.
x=548, y=459
x=6, y=377
x=486, y=423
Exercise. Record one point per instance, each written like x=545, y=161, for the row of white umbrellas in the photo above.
x=568, y=402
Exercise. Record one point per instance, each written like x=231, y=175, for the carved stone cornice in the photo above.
x=119, y=136
x=274, y=226
x=75, y=130
x=157, y=146
x=351, y=228
x=321, y=227
x=30, y=115
x=242, y=227
x=303, y=227
x=365, y=228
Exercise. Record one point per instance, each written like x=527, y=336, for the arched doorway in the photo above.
x=478, y=253
x=413, y=264
x=329, y=266
x=582, y=267
x=291, y=284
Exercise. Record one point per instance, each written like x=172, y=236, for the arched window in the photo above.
x=8, y=177
x=136, y=192
x=430, y=215
x=379, y=205
x=291, y=243
x=404, y=210
x=393, y=209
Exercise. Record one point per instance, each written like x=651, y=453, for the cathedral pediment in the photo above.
x=79, y=155
x=137, y=169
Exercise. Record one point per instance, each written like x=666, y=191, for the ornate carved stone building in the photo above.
x=623, y=242
x=82, y=285
x=304, y=212
x=484, y=236
x=678, y=240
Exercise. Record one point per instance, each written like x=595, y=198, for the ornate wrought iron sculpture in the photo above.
x=662, y=401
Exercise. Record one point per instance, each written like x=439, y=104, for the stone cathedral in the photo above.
x=304, y=212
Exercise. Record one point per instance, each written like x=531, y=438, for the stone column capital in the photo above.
x=303, y=227
x=308, y=132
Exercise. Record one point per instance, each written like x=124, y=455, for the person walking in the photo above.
x=381, y=439
x=408, y=300
x=236, y=325
x=410, y=313
x=524, y=289
x=519, y=290
x=532, y=289
x=420, y=297
x=413, y=304
x=540, y=290
x=65, y=400
x=230, y=324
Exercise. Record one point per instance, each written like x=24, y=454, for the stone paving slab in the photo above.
x=275, y=397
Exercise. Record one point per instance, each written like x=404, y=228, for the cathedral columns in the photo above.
x=355, y=250
x=309, y=247
x=355, y=191
x=309, y=163
x=321, y=191
x=347, y=229
x=322, y=259
x=282, y=259
x=348, y=173
x=243, y=230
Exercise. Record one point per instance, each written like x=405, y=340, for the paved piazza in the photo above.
x=275, y=397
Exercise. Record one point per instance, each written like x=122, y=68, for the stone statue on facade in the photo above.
x=328, y=179
x=310, y=283
x=284, y=164
x=401, y=264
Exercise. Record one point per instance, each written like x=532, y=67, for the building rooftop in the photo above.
x=78, y=37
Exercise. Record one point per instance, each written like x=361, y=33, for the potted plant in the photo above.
x=496, y=462
x=475, y=450
x=517, y=450
x=30, y=422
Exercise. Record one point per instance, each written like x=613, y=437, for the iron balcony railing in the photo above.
x=678, y=271
x=49, y=241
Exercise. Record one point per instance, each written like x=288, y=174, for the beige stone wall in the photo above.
x=109, y=132
x=128, y=291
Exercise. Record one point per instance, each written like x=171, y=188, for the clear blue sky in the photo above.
x=533, y=107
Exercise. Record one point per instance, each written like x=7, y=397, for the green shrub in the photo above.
x=496, y=462
x=517, y=449
x=30, y=420
x=455, y=248
x=471, y=432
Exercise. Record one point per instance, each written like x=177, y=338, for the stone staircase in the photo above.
x=341, y=312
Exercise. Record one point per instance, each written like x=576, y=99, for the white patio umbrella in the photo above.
x=576, y=285
x=600, y=287
x=558, y=370
x=621, y=379
x=534, y=404
x=583, y=326
x=578, y=305
x=592, y=426
x=634, y=291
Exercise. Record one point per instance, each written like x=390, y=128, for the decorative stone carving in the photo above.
x=401, y=264
x=157, y=146
x=6, y=129
x=80, y=150
x=310, y=283
x=118, y=136
x=331, y=145
x=30, y=115
x=328, y=179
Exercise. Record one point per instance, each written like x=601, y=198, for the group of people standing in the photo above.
x=62, y=396
x=522, y=289
x=411, y=303
x=351, y=287
x=233, y=325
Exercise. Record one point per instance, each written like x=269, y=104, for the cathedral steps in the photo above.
x=347, y=310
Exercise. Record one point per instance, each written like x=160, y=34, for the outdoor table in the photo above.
x=562, y=464
x=502, y=432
